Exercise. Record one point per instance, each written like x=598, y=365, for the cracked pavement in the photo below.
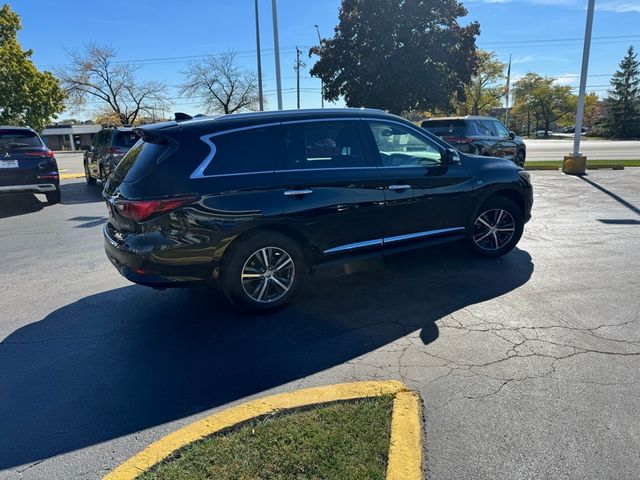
x=528, y=366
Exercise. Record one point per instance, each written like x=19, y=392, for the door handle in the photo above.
x=295, y=193
x=399, y=187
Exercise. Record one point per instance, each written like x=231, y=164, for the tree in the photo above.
x=95, y=75
x=623, y=102
x=591, y=109
x=541, y=96
x=486, y=88
x=27, y=96
x=397, y=55
x=220, y=85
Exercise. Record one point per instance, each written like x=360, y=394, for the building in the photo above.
x=68, y=136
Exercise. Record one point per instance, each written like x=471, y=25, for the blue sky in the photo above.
x=542, y=36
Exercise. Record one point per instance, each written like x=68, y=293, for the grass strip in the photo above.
x=341, y=441
x=555, y=164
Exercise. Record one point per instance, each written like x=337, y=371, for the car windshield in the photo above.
x=445, y=128
x=18, y=139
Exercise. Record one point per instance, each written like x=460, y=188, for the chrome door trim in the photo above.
x=398, y=238
x=428, y=233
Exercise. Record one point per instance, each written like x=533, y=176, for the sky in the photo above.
x=161, y=37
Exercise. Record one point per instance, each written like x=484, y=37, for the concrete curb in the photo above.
x=405, y=449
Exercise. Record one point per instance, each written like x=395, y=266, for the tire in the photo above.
x=101, y=174
x=486, y=241
x=520, y=157
x=263, y=293
x=87, y=176
x=53, y=197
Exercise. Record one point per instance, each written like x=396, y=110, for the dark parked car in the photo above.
x=252, y=201
x=26, y=164
x=480, y=136
x=108, y=147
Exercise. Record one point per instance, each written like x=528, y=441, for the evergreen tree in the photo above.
x=623, y=103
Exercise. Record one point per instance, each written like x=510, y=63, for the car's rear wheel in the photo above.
x=520, y=157
x=53, y=197
x=87, y=176
x=497, y=228
x=263, y=272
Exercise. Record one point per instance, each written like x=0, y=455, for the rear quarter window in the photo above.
x=247, y=151
x=446, y=128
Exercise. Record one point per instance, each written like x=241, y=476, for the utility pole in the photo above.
x=575, y=163
x=321, y=82
x=299, y=64
x=276, y=47
x=508, y=92
x=260, y=97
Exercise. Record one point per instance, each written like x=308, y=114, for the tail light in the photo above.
x=40, y=154
x=141, y=210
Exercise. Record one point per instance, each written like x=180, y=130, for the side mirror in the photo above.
x=450, y=156
x=512, y=135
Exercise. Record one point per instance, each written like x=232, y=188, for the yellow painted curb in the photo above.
x=405, y=451
x=67, y=176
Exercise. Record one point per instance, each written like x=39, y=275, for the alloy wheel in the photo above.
x=268, y=274
x=493, y=229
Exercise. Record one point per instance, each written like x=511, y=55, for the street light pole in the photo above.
x=260, y=97
x=575, y=163
x=276, y=47
x=321, y=82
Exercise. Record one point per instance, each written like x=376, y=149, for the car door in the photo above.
x=424, y=195
x=328, y=190
x=505, y=145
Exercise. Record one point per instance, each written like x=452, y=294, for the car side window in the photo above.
x=247, y=151
x=501, y=129
x=400, y=147
x=97, y=139
x=323, y=145
x=486, y=127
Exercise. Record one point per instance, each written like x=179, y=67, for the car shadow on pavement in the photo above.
x=132, y=358
x=15, y=205
x=73, y=193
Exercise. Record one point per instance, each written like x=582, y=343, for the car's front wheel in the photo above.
x=263, y=272
x=497, y=228
x=87, y=176
x=520, y=157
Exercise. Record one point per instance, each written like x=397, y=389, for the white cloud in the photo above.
x=567, y=79
x=617, y=6
x=524, y=59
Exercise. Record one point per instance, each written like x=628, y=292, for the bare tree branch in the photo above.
x=96, y=74
x=221, y=86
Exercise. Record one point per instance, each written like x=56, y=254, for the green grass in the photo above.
x=341, y=441
x=555, y=164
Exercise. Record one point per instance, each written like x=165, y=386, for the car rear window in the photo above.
x=139, y=161
x=125, y=139
x=18, y=139
x=446, y=128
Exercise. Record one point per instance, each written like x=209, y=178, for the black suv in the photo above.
x=107, y=149
x=480, y=136
x=252, y=201
x=26, y=164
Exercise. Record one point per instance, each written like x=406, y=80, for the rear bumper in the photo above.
x=147, y=268
x=32, y=188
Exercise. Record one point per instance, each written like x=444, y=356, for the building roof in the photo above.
x=69, y=129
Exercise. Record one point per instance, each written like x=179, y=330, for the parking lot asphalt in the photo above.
x=528, y=366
